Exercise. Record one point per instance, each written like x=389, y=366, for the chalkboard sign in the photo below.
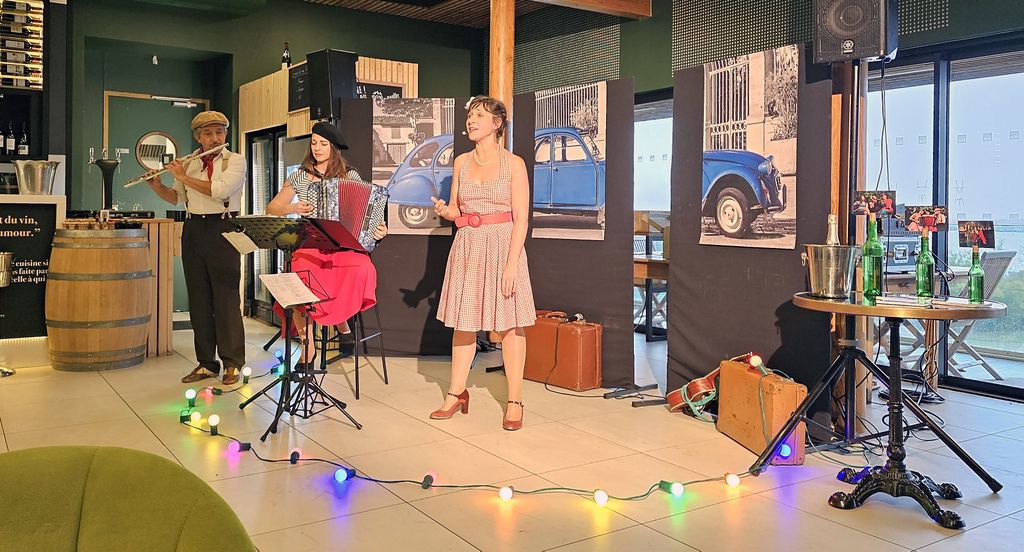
x=26, y=230
x=377, y=91
x=298, y=87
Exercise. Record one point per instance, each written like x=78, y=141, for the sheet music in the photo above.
x=240, y=241
x=287, y=288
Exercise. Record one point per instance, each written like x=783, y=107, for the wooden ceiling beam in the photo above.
x=634, y=9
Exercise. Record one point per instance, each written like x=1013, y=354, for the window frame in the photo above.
x=941, y=57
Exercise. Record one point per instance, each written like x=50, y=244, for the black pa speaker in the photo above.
x=854, y=29
x=332, y=78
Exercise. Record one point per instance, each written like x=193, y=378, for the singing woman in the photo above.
x=487, y=282
x=347, y=277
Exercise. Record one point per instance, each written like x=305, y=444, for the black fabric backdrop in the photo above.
x=726, y=301
x=594, y=278
x=410, y=269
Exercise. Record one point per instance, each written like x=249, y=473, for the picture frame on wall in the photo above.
x=414, y=157
x=569, y=165
x=749, y=181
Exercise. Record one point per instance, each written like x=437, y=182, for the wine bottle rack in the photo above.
x=21, y=44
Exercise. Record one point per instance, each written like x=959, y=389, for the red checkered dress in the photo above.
x=471, y=298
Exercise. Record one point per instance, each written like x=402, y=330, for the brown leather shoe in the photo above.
x=230, y=376
x=200, y=373
x=513, y=425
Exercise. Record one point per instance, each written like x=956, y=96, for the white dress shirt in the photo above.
x=226, y=185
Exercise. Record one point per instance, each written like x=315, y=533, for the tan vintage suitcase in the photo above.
x=739, y=409
x=563, y=353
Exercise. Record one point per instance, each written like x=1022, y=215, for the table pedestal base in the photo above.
x=899, y=482
x=894, y=478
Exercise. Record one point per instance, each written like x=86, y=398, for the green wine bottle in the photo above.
x=975, y=278
x=925, y=268
x=871, y=255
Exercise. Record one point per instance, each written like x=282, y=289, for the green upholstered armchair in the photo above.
x=89, y=499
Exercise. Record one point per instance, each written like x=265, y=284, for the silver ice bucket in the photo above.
x=5, y=268
x=831, y=269
x=35, y=177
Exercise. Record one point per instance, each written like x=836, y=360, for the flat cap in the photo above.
x=209, y=118
x=331, y=133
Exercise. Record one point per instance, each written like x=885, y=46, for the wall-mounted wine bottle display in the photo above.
x=21, y=44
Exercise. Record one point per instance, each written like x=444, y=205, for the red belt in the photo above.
x=476, y=220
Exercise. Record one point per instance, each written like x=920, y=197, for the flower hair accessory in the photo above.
x=470, y=102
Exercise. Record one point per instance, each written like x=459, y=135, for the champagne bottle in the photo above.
x=871, y=254
x=286, y=57
x=975, y=278
x=10, y=139
x=925, y=268
x=23, y=143
x=3, y=140
x=833, y=230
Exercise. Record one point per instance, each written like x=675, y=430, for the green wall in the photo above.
x=646, y=48
x=245, y=48
x=646, y=45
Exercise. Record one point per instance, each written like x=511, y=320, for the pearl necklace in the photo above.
x=476, y=159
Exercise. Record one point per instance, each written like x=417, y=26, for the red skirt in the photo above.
x=347, y=280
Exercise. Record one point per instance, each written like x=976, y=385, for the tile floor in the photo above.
x=573, y=442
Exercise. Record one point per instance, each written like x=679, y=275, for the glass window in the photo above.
x=543, y=154
x=906, y=143
x=985, y=184
x=445, y=159
x=424, y=155
x=568, y=148
x=652, y=143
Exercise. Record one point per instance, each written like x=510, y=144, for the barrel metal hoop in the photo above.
x=73, y=367
x=116, y=245
x=99, y=354
x=126, y=233
x=71, y=324
x=99, y=277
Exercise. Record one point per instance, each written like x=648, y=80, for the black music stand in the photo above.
x=288, y=235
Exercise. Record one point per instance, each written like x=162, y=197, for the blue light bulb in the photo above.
x=785, y=451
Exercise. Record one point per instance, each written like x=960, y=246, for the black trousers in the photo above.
x=212, y=276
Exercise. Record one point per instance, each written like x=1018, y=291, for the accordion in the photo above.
x=359, y=206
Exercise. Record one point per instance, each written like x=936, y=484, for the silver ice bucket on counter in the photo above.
x=830, y=269
x=35, y=177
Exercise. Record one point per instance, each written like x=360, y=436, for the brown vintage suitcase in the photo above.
x=563, y=353
x=739, y=409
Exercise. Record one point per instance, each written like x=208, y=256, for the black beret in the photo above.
x=332, y=134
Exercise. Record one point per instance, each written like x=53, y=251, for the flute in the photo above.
x=184, y=160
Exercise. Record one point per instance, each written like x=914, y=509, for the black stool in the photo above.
x=359, y=333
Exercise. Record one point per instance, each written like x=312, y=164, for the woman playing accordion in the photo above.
x=347, y=278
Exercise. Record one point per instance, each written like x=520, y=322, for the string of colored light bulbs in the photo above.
x=345, y=473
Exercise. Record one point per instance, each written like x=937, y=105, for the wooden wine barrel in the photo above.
x=98, y=299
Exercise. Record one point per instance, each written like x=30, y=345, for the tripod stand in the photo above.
x=894, y=478
x=289, y=235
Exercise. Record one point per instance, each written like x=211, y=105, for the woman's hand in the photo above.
x=441, y=208
x=380, y=231
x=303, y=208
x=508, y=281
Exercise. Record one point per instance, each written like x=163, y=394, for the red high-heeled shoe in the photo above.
x=509, y=425
x=462, y=403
